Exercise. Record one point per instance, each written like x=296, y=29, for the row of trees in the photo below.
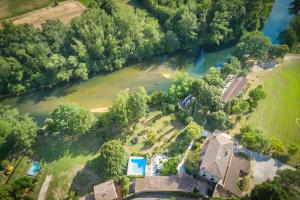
x=191, y=23
x=104, y=37
x=101, y=40
x=256, y=140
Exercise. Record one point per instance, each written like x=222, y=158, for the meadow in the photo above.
x=278, y=113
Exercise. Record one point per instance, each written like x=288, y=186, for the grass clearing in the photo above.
x=66, y=158
x=278, y=112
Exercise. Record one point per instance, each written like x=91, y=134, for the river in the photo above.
x=154, y=74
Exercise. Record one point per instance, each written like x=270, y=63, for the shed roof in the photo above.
x=105, y=191
x=234, y=88
x=184, y=183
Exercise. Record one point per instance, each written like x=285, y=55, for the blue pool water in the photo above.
x=137, y=166
x=35, y=167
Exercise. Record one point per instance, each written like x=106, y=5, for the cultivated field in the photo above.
x=278, y=114
x=65, y=11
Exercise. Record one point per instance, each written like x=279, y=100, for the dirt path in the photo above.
x=43, y=191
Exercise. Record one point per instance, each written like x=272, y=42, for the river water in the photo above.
x=153, y=74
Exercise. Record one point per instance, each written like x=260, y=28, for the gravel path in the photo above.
x=43, y=192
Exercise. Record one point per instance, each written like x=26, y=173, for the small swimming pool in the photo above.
x=137, y=166
x=34, y=168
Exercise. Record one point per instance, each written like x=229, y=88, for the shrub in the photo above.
x=243, y=183
x=4, y=164
x=125, y=182
x=151, y=138
x=170, y=167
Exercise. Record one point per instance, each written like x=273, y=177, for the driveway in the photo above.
x=264, y=167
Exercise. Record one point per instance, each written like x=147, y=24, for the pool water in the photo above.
x=35, y=167
x=137, y=166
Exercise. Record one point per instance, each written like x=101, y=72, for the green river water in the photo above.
x=154, y=74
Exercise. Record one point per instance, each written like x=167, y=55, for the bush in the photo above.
x=125, y=182
x=4, y=164
x=243, y=183
x=151, y=138
x=170, y=167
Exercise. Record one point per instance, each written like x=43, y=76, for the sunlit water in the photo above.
x=155, y=74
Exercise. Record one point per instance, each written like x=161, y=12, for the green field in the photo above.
x=12, y=8
x=277, y=114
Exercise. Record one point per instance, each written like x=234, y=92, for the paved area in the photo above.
x=264, y=168
x=43, y=192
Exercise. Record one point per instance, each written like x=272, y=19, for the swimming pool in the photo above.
x=34, y=168
x=137, y=166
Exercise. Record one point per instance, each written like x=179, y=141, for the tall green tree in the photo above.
x=253, y=45
x=112, y=159
x=71, y=119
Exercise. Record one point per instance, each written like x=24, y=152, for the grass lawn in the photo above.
x=12, y=8
x=68, y=160
x=277, y=114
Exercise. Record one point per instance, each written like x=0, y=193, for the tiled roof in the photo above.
x=217, y=155
x=184, y=183
x=234, y=88
x=105, y=191
x=237, y=165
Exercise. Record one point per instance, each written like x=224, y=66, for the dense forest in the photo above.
x=105, y=37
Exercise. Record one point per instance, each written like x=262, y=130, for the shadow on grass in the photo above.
x=54, y=147
x=86, y=178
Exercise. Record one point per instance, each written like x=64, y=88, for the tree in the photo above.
x=293, y=149
x=192, y=132
x=158, y=98
x=6, y=192
x=268, y=191
x=232, y=67
x=276, y=147
x=138, y=103
x=289, y=37
x=172, y=42
x=17, y=131
x=21, y=185
x=180, y=87
x=213, y=77
x=289, y=181
x=113, y=159
x=192, y=161
x=254, y=139
x=169, y=167
x=71, y=119
x=278, y=51
x=295, y=7
x=255, y=95
x=217, y=120
x=253, y=45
